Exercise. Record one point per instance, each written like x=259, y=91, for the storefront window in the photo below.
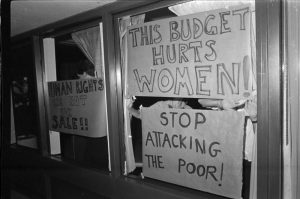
x=24, y=123
x=77, y=100
x=189, y=76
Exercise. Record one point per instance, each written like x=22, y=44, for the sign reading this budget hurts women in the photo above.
x=204, y=55
x=199, y=149
x=78, y=107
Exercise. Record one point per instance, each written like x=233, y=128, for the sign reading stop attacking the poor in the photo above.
x=78, y=107
x=199, y=149
x=204, y=55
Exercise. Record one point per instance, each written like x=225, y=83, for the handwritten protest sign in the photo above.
x=204, y=55
x=78, y=107
x=199, y=149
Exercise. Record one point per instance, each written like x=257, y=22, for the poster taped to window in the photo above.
x=199, y=149
x=203, y=55
x=78, y=107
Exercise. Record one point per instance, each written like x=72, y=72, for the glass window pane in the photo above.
x=77, y=102
x=24, y=121
x=198, y=56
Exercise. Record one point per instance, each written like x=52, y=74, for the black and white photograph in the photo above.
x=150, y=99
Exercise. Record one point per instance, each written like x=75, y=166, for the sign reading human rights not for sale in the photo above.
x=204, y=55
x=78, y=107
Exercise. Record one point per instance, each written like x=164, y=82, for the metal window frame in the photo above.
x=268, y=32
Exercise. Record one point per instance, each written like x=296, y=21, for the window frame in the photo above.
x=268, y=53
x=268, y=32
x=42, y=76
x=268, y=41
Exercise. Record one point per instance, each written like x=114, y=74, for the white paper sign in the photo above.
x=78, y=107
x=204, y=55
x=198, y=149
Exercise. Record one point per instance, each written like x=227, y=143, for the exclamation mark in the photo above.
x=221, y=175
x=81, y=123
x=246, y=73
x=86, y=124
